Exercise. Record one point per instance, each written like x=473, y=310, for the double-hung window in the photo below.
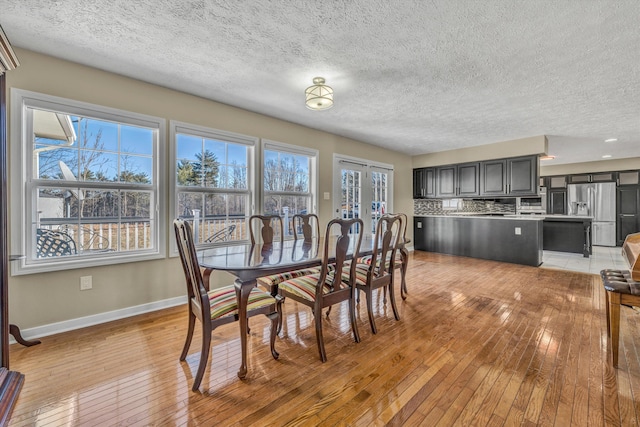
x=89, y=176
x=288, y=180
x=213, y=182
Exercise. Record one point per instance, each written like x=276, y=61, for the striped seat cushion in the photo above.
x=276, y=279
x=305, y=286
x=361, y=274
x=223, y=301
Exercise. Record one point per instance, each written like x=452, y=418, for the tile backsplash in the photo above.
x=453, y=206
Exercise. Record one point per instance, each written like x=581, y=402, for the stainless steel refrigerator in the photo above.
x=597, y=200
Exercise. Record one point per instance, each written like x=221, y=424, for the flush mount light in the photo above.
x=319, y=96
x=547, y=157
x=606, y=156
x=611, y=140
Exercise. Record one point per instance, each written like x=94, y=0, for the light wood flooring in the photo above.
x=479, y=343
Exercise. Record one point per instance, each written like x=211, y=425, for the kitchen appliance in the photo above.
x=597, y=200
x=531, y=205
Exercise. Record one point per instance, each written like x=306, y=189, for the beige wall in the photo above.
x=498, y=150
x=599, y=166
x=42, y=299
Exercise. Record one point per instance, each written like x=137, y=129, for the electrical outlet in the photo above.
x=327, y=195
x=518, y=231
x=86, y=283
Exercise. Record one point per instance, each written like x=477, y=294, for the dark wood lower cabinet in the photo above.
x=628, y=211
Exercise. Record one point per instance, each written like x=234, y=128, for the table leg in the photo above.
x=243, y=290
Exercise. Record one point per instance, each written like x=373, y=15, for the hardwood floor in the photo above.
x=479, y=343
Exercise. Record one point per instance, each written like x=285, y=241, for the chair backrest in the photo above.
x=186, y=247
x=385, y=244
x=344, y=249
x=308, y=223
x=268, y=228
x=51, y=243
x=402, y=237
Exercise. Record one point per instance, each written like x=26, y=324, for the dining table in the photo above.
x=248, y=262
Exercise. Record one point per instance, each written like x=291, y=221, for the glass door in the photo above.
x=351, y=180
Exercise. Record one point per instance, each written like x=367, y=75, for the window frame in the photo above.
x=251, y=142
x=23, y=185
x=282, y=147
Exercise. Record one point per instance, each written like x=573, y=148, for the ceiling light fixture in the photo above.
x=611, y=140
x=606, y=156
x=547, y=157
x=319, y=96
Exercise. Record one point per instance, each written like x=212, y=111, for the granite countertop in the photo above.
x=496, y=215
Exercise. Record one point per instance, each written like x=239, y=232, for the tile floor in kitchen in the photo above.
x=602, y=257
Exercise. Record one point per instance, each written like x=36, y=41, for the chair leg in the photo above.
x=403, y=277
x=317, y=317
x=204, y=358
x=607, y=302
x=369, y=294
x=275, y=324
x=279, y=302
x=354, y=323
x=392, y=297
x=615, y=326
x=187, y=343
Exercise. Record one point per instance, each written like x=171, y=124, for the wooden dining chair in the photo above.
x=379, y=272
x=401, y=257
x=329, y=287
x=309, y=228
x=270, y=227
x=215, y=307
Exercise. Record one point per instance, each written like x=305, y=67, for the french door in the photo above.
x=361, y=190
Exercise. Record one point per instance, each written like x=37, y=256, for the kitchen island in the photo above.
x=513, y=238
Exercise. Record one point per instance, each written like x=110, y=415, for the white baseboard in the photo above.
x=95, y=319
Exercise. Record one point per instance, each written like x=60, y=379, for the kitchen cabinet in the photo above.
x=628, y=211
x=557, y=181
x=424, y=183
x=462, y=180
x=522, y=176
x=628, y=178
x=517, y=176
x=591, y=177
x=557, y=202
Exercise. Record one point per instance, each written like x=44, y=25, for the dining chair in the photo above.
x=307, y=224
x=329, y=287
x=215, y=307
x=270, y=227
x=402, y=255
x=378, y=274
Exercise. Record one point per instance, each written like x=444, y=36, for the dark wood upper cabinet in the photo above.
x=424, y=184
x=469, y=179
x=557, y=203
x=446, y=181
x=522, y=176
x=493, y=178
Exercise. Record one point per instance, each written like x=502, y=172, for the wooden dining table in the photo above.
x=248, y=262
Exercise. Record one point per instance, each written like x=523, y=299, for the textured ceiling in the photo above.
x=413, y=76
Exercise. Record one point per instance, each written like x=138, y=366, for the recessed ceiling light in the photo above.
x=606, y=156
x=547, y=157
x=611, y=140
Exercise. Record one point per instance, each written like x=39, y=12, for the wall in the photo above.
x=43, y=299
x=599, y=166
x=498, y=150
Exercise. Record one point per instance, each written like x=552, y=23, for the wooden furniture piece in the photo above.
x=622, y=288
x=402, y=254
x=307, y=223
x=247, y=264
x=379, y=272
x=216, y=307
x=329, y=287
x=267, y=230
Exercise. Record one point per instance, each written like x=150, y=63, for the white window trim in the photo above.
x=268, y=144
x=20, y=100
x=176, y=127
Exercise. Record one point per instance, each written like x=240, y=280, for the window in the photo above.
x=90, y=174
x=288, y=181
x=213, y=173
x=365, y=188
